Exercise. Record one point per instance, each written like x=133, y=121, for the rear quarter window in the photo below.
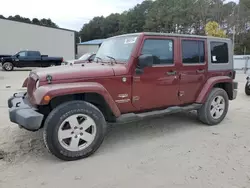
x=219, y=52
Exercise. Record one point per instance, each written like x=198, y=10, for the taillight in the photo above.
x=232, y=74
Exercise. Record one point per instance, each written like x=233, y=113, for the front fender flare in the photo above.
x=209, y=85
x=55, y=90
x=25, y=83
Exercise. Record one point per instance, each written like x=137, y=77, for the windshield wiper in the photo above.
x=99, y=59
x=112, y=58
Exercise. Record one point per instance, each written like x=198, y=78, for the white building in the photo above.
x=16, y=36
x=88, y=47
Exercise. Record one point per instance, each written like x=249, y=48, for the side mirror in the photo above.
x=145, y=60
x=17, y=56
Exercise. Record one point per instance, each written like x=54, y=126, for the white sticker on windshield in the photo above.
x=130, y=40
x=170, y=46
x=214, y=58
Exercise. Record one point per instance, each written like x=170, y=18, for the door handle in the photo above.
x=200, y=71
x=169, y=73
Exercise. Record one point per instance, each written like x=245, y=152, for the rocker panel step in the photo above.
x=132, y=117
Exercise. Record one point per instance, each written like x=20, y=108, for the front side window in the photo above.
x=219, y=52
x=119, y=48
x=161, y=49
x=193, y=52
x=22, y=54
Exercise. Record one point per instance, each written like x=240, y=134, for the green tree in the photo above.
x=177, y=16
x=47, y=22
x=213, y=29
x=35, y=21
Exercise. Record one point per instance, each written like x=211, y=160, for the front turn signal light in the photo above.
x=46, y=98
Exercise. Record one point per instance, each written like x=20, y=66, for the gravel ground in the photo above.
x=174, y=151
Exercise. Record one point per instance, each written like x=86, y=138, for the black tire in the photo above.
x=204, y=114
x=8, y=66
x=56, y=118
x=247, y=89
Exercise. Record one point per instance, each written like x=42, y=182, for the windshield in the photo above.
x=85, y=56
x=119, y=48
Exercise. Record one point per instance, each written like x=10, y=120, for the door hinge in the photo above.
x=181, y=93
x=136, y=98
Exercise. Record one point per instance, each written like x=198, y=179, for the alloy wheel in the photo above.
x=77, y=132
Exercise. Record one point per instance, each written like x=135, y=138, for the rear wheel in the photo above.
x=247, y=88
x=74, y=130
x=214, y=110
x=8, y=66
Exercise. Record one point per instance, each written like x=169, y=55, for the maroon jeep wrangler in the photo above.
x=133, y=77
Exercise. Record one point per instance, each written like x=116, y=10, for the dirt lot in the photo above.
x=175, y=151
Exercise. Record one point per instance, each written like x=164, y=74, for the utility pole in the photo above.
x=233, y=38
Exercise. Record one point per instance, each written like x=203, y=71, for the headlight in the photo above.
x=37, y=84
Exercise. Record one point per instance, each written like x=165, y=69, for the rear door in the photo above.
x=193, y=69
x=157, y=86
x=34, y=59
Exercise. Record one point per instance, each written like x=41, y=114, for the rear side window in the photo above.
x=193, y=52
x=161, y=49
x=32, y=54
x=219, y=52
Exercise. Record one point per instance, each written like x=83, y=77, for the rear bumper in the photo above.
x=22, y=113
x=235, y=90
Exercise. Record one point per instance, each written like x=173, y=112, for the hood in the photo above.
x=68, y=72
x=5, y=57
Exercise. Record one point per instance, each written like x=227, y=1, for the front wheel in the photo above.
x=214, y=110
x=247, y=88
x=8, y=66
x=74, y=130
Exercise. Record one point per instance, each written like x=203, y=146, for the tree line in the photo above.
x=177, y=16
x=36, y=21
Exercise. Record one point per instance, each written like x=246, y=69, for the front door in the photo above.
x=21, y=59
x=193, y=70
x=157, y=86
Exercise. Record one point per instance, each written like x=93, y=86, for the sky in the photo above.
x=69, y=14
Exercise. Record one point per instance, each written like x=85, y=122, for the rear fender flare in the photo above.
x=55, y=90
x=209, y=86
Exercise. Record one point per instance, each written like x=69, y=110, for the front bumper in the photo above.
x=22, y=113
